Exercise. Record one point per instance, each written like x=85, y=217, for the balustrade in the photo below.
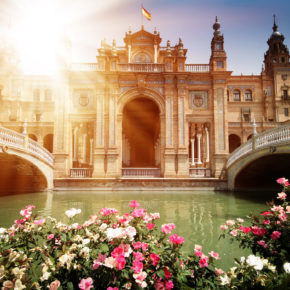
x=197, y=68
x=267, y=138
x=81, y=172
x=140, y=67
x=199, y=172
x=141, y=172
x=16, y=140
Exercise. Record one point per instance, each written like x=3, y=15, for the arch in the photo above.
x=48, y=142
x=137, y=93
x=236, y=95
x=250, y=137
x=142, y=57
x=20, y=175
x=32, y=136
x=248, y=95
x=234, y=142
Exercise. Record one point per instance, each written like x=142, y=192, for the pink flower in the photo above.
x=167, y=273
x=281, y=180
x=39, y=222
x=86, y=284
x=117, y=252
x=283, y=216
x=154, y=258
x=54, y=285
x=112, y=288
x=275, y=235
x=288, y=208
x=169, y=284
x=167, y=228
x=138, y=256
x=140, y=245
x=25, y=212
x=219, y=271
x=287, y=183
x=223, y=227
x=50, y=237
x=155, y=215
x=282, y=195
x=234, y=233
x=150, y=226
x=266, y=213
x=137, y=266
x=262, y=243
x=197, y=247
x=140, y=212
x=266, y=222
x=121, y=262
x=99, y=261
x=20, y=221
x=108, y=211
x=215, y=255
x=30, y=207
x=176, y=240
x=230, y=222
x=134, y=204
x=203, y=262
x=259, y=231
x=198, y=253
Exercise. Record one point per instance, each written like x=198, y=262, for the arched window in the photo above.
x=248, y=96
x=234, y=142
x=237, y=96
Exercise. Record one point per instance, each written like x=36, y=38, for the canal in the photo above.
x=197, y=214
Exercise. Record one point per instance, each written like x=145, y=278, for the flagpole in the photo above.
x=141, y=15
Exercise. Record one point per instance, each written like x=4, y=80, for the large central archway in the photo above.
x=141, y=133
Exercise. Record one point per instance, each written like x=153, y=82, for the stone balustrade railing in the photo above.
x=278, y=135
x=81, y=172
x=141, y=172
x=10, y=138
x=197, y=68
x=141, y=67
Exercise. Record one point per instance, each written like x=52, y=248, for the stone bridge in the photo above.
x=261, y=160
x=24, y=164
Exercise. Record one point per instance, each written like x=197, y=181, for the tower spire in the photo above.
x=275, y=27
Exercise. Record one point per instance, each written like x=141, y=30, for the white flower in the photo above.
x=243, y=259
x=225, y=280
x=85, y=252
x=66, y=259
x=103, y=227
x=114, y=233
x=86, y=241
x=286, y=267
x=2, y=231
x=130, y=233
x=18, y=285
x=72, y=212
x=255, y=262
x=18, y=273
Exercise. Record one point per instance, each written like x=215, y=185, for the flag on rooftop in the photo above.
x=146, y=13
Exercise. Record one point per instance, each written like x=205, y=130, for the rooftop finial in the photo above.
x=216, y=26
x=275, y=27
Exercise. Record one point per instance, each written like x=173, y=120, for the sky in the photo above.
x=246, y=25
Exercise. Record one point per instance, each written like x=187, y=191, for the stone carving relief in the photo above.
x=198, y=99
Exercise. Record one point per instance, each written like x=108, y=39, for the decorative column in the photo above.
x=198, y=149
x=207, y=145
x=129, y=53
x=155, y=53
x=84, y=148
x=91, y=151
x=192, y=151
x=75, y=153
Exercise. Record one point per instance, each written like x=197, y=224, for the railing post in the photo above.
x=26, y=142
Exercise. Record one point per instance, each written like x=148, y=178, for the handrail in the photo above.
x=20, y=141
x=267, y=138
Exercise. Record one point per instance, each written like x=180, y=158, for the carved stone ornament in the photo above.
x=198, y=99
x=84, y=100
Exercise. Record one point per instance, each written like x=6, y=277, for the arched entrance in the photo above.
x=234, y=142
x=141, y=134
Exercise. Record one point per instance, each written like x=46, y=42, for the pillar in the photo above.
x=198, y=149
x=192, y=151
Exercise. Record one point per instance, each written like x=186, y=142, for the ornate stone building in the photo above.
x=142, y=110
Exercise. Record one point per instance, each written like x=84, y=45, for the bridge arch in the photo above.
x=261, y=160
x=24, y=152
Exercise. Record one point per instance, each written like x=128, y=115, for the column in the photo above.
x=169, y=122
x=91, y=151
x=192, y=151
x=75, y=157
x=207, y=145
x=84, y=157
x=155, y=53
x=198, y=149
x=129, y=53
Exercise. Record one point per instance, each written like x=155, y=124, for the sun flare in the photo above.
x=36, y=35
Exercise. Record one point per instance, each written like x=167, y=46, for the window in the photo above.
x=220, y=64
x=228, y=95
x=218, y=46
x=180, y=65
x=285, y=94
x=246, y=115
x=36, y=95
x=168, y=66
x=248, y=96
x=237, y=96
x=286, y=112
x=48, y=95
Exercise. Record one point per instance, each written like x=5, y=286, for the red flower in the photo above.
x=167, y=273
x=275, y=235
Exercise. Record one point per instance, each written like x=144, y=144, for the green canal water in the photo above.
x=197, y=214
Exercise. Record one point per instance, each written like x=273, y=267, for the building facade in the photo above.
x=142, y=110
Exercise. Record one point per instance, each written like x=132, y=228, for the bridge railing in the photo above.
x=267, y=138
x=19, y=141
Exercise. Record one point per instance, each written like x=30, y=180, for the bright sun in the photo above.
x=36, y=34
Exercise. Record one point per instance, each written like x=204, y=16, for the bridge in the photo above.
x=25, y=164
x=261, y=160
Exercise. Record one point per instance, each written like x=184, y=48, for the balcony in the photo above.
x=141, y=67
x=81, y=172
x=141, y=172
x=197, y=68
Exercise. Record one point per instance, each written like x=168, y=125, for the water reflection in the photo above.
x=197, y=215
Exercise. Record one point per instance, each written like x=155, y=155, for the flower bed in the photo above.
x=114, y=251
